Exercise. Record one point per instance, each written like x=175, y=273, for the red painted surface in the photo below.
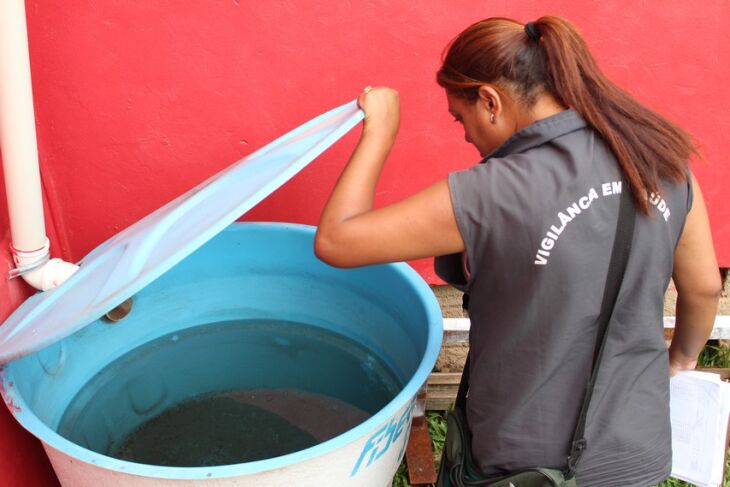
x=23, y=463
x=139, y=101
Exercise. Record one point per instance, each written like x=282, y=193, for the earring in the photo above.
x=491, y=117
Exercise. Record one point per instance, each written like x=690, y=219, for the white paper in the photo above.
x=699, y=406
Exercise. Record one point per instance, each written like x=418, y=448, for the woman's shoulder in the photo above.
x=505, y=177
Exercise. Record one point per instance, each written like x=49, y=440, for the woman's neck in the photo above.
x=545, y=106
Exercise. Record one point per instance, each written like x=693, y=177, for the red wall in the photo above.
x=139, y=101
x=22, y=460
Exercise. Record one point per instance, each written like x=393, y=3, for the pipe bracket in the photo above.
x=42, y=257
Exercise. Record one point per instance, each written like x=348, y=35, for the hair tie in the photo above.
x=532, y=31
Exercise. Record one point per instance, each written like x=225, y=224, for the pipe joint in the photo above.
x=29, y=260
x=39, y=270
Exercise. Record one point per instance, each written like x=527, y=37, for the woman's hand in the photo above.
x=677, y=365
x=382, y=112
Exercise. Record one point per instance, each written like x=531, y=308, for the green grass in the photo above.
x=712, y=356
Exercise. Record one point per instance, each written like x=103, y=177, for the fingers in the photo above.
x=382, y=110
x=361, y=97
x=380, y=95
x=380, y=90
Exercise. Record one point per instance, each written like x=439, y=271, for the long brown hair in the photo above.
x=499, y=51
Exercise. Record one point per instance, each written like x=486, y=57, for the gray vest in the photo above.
x=538, y=219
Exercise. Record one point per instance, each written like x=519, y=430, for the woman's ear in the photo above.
x=490, y=100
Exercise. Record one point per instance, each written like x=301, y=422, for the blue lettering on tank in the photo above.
x=380, y=442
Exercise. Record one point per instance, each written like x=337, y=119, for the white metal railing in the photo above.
x=456, y=330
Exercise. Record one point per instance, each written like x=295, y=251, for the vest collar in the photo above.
x=538, y=133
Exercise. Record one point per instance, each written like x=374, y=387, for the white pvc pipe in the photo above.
x=17, y=131
x=20, y=154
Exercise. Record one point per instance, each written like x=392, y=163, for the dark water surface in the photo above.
x=229, y=392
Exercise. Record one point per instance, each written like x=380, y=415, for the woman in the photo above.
x=533, y=226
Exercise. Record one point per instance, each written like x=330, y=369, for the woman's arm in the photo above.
x=698, y=284
x=351, y=233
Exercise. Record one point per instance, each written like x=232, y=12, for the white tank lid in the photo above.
x=136, y=256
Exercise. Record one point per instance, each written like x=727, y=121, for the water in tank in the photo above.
x=229, y=392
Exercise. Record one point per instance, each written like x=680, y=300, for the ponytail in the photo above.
x=552, y=56
x=648, y=146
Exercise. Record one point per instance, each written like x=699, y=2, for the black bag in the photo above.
x=457, y=467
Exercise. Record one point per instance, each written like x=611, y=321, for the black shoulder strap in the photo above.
x=463, y=385
x=616, y=270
